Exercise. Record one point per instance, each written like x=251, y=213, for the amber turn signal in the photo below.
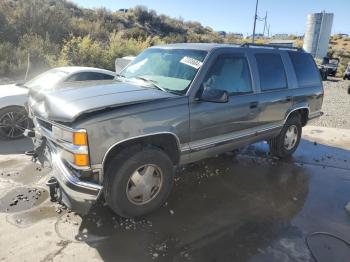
x=81, y=159
x=80, y=138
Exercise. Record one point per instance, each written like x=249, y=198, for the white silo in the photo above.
x=318, y=32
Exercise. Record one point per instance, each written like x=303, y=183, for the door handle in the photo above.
x=288, y=98
x=253, y=104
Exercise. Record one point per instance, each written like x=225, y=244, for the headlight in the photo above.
x=75, y=150
x=62, y=134
x=77, y=138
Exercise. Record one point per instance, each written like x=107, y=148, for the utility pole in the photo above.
x=255, y=17
x=265, y=23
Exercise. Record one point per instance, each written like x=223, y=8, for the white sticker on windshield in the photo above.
x=191, y=62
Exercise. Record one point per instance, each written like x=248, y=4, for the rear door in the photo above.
x=217, y=123
x=275, y=97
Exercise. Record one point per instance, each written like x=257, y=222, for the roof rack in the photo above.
x=273, y=46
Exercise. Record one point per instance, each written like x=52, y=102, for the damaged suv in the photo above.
x=172, y=105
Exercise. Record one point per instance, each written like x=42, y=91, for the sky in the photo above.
x=237, y=15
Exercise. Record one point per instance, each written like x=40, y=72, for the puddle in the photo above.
x=99, y=224
x=30, y=217
x=22, y=198
x=229, y=193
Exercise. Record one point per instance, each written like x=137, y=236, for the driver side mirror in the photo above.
x=214, y=95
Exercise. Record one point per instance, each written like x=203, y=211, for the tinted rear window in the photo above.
x=305, y=69
x=271, y=71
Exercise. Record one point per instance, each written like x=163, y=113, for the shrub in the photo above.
x=84, y=51
x=9, y=62
x=14, y=60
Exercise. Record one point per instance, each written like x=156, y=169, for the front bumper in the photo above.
x=76, y=194
x=78, y=190
x=72, y=191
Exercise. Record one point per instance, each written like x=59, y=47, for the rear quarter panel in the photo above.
x=308, y=96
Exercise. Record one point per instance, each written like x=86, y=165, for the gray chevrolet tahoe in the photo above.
x=173, y=104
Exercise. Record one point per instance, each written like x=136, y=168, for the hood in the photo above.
x=67, y=104
x=12, y=90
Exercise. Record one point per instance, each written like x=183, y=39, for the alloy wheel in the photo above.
x=13, y=123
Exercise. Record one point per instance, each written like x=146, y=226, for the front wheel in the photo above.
x=138, y=182
x=13, y=121
x=285, y=144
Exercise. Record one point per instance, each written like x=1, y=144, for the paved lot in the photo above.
x=247, y=207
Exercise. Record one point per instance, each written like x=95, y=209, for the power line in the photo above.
x=256, y=17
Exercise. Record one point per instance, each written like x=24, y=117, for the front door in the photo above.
x=217, y=123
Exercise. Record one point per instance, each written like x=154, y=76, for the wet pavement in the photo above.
x=245, y=206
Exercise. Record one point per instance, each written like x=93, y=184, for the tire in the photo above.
x=278, y=145
x=120, y=183
x=13, y=121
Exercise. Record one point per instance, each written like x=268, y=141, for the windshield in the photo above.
x=333, y=61
x=46, y=80
x=167, y=69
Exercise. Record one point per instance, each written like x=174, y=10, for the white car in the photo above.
x=13, y=116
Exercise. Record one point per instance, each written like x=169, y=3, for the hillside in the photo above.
x=340, y=47
x=58, y=32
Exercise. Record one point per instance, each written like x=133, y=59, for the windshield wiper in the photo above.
x=152, y=82
x=119, y=76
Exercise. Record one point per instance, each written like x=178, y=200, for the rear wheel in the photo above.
x=13, y=121
x=285, y=144
x=138, y=182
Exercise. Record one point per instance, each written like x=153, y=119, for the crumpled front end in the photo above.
x=73, y=182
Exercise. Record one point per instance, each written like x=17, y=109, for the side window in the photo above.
x=88, y=76
x=271, y=71
x=91, y=76
x=231, y=74
x=305, y=69
x=72, y=78
x=107, y=77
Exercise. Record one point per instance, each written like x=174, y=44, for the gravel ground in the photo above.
x=336, y=104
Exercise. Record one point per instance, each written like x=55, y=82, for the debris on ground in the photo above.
x=158, y=250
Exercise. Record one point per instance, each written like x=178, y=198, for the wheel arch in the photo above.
x=166, y=141
x=303, y=111
x=9, y=106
